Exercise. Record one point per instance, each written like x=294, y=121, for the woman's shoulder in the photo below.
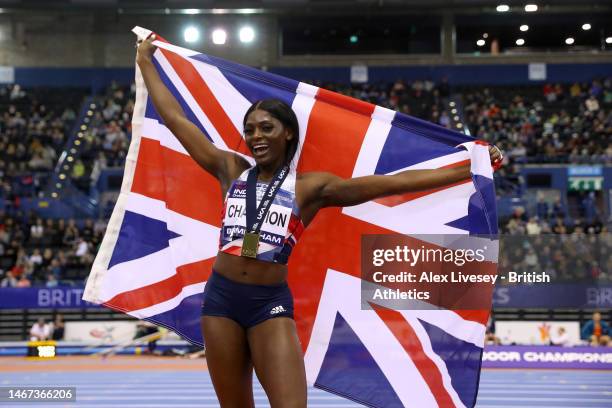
x=313, y=181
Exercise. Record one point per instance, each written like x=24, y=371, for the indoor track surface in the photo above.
x=141, y=382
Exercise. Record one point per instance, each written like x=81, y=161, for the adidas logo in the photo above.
x=277, y=309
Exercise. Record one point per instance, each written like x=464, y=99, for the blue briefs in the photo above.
x=244, y=303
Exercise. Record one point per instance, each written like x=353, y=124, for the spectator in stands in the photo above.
x=533, y=227
x=560, y=338
x=40, y=331
x=55, y=268
x=59, y=232
x=9, y=280
x=37, y=231
x=490, y=337
x=58, y=327
x=82, y=251
x=51, y=281
x=71, y=233
x=596, y=331
x=23, y=282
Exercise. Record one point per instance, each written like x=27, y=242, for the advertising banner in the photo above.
x=68, y=297
x=594, y=358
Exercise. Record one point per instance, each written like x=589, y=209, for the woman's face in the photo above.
x=266, y=137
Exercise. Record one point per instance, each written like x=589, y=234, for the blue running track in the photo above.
x=191, y=389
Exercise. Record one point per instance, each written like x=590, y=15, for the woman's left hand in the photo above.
x=496, y=156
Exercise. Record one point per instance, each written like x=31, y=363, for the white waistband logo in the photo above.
x=277, y=309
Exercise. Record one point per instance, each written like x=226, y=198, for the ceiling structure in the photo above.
x=292, y=6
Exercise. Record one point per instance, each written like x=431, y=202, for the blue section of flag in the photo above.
x=461, y=223
x=350, y=370
x=252, y=83
x=462, y=360
x=435, y=133
x=482, y=209
x=139, y=236
x=184, y=319
x=403, y=148
x=151, y=113
x=412, y=141
x=174, y=91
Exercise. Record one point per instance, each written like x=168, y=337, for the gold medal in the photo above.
x=250, y=243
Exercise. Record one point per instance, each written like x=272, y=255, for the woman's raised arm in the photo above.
x=328, y=190
x=225, y=166
x=338, y=192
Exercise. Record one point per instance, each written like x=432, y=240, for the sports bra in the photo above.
x=281, y=228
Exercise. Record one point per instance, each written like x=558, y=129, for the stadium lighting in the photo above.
x=502, y=8
x=609, y=40
x=219, y=36
x=524, y=27
x=480, y=42
x=246, y=34
x=586, y=27
x=520, y=42
x=191, y=34
x=531, y=8
x=569, y=40
x=191, y=11
x=353, y=39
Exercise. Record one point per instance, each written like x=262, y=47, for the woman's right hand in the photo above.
x=145, y=49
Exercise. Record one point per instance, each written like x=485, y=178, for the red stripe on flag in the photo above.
x=406, y=336
x=167, y=175
x=164, y=290
x=335, y=134
x=333, y=140
x=394, y=200
x=345, y=102
x=478, y=316
x=207, y=101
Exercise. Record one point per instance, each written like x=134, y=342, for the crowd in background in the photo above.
x=36, y=251
x=554, y=124
x=577, y=256
x=107, y=137
x=33, y=130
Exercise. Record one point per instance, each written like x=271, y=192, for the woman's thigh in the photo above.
x=229, y=362
x=279, y=362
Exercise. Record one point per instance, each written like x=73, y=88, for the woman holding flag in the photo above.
x=247, y=320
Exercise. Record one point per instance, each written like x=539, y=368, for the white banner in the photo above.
x=537, y=71
x=7, y=75
x=102, y=332
x=538, y=333
x=359, y=74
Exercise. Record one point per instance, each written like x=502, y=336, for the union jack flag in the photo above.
x=163, y=234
